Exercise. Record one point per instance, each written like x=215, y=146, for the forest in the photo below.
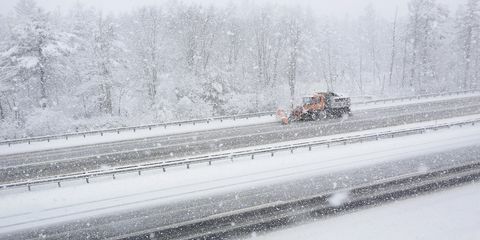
x=84, y=69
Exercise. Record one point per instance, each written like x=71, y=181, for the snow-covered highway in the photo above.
x=159, y=199
x=169, y=128
x=24, y=166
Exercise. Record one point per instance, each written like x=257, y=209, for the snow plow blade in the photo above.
x=282, y=116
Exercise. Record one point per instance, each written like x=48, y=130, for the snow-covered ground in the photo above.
x=364, y=132
x=452, y=214
x=160, y=131
x=412, y=101
x=49, y=204
x=130, y=135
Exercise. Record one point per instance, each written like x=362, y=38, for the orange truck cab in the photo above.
x=313, y=107
x=314, y=103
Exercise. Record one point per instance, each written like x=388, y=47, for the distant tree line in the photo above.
x=83, y=69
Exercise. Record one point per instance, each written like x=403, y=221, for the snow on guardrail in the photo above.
x=164, y=125
x=236, y=154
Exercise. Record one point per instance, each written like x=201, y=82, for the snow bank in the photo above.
x=448, y=215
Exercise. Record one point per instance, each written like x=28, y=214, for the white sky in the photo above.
x=329, y=7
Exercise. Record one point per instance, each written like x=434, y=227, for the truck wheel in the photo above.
x=322, y=115
x=331, y=113
x=337, y=113
x=345, y=112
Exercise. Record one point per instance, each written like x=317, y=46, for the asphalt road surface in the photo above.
x=193, y=208
x=25, y=166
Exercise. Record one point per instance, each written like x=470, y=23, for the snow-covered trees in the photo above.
x=82, y=69
x=32, y=61
x=425, y=20
x=468, y=35
x=185, y=60
x=105, y=61
x=148, y=45
x=294, y=38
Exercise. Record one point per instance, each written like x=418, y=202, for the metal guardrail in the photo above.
x=134, y=128
x=409, y=98
x=278, y=214
x=234, y=154
x=206, y=120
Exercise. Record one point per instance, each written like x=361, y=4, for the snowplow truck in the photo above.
x=319, y=106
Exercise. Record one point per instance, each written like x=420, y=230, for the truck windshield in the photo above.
x=307, y=100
